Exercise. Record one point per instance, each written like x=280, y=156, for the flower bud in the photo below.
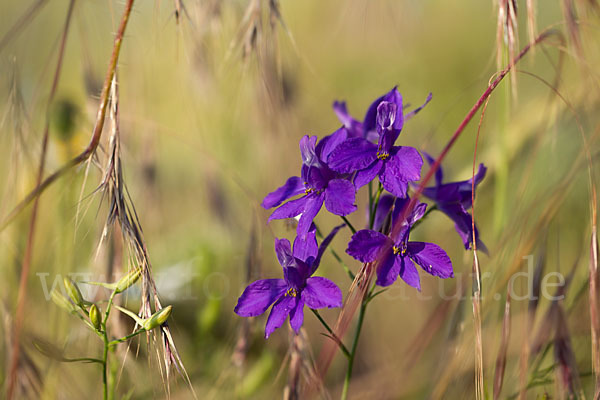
x=158, y=318
x=95, y=316
x=62, y=301
x=128, y=280
x=73, y=292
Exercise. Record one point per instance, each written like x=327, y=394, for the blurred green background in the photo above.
x=210, y=123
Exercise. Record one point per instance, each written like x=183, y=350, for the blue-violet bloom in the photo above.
x=454, y=199
x=396, y=254
x=297, y=289
x=368, y=128
x=395, y=165
x=318, y=184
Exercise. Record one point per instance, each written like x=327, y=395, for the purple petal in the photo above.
x=307, y=150
x=368, y=174
x=258, y=296
x=386, y=115
x=297, y=316
x=313, y=204
x=406, y=163
x=279, y=313
x=439, y=173
x=409, y=273
x=339, y=197
x=295, y=275
x=313, y=176
x=324, y=245
x=321, y=292
x=416, y=110
x=292, y=187
x=290, y=209
x=366, y=245
x=463, y=224
x=432, y=258
x=352, y=155
x=392, y=182
x=305, y=246
x=330, y=143
x=388, y=270
x=283, y=251
x=383, y=211
x=353, y=126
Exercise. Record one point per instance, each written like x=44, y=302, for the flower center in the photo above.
x=309, y=190
x=399, y=250
x=291, y=292
x=382, y=155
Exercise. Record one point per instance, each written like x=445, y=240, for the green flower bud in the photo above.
x=157, y=319
x=73, y=292
x=95, y=316
x=128, y=280
x=62, y=301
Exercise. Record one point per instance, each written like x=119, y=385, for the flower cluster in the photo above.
x=333, y=170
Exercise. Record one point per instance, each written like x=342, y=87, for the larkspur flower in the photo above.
x=454, y=199
x=318, y=185
x=396, y=166
x=397, y=255
x=298, y=288
x=368, y=128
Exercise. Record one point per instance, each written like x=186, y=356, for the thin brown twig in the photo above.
x=20, y=310
x=477, y=275
x=97, y=133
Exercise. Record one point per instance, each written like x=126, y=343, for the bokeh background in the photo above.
x=213, y=101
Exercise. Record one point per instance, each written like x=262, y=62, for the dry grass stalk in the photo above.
x=593, y=300
x=531, y=20
x=20, y=309
x=568, y=377
x=122, y=210
x=97, y=132
x=568, y=8
x=507, y=36
x=501, y=360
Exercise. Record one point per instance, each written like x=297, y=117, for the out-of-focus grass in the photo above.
x=203, y=142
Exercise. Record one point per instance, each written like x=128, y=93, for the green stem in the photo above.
x=337, y=256
x=361, y=318
x=338, y=341
x=125, y=338
x=106, y=344
x=373, y=204
x=104, y=365
x=429, y=210
x=349, y=224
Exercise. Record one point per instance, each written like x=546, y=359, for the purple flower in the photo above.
x=395, y=165
x=454, y=199
x=397, y=256
x=297, y=289
x=368, y=128
x=318, y=184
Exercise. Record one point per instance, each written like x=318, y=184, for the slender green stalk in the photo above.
x=337, y=257
x=349, y=224
x=106, y=344
x=339, y=341
x=125, y=338
x=361, y=318
x=373, y=204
